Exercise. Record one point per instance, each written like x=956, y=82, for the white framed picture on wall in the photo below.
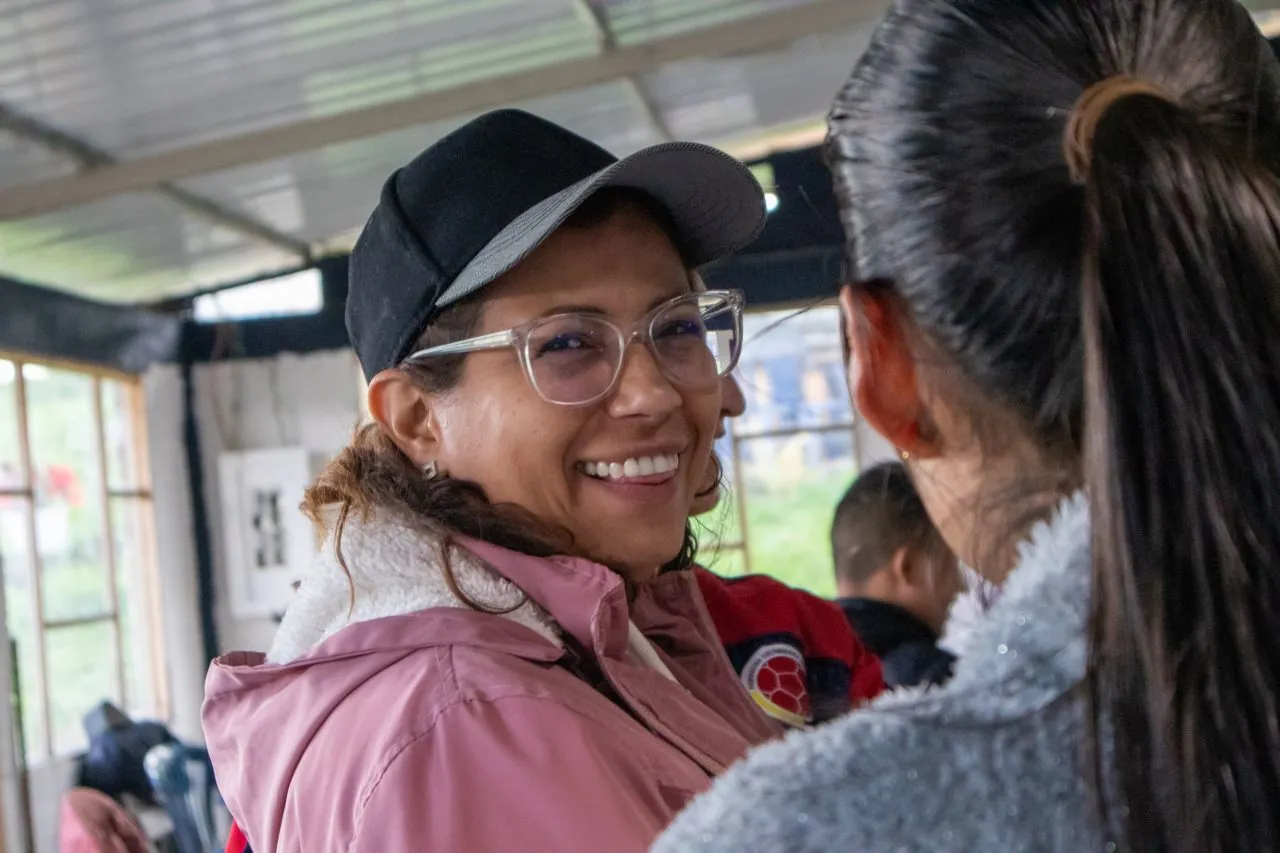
x=269, y=541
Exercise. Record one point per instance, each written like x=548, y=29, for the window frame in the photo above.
x=738, y=494
x=148, y=606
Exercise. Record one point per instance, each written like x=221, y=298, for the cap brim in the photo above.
x=715, y=202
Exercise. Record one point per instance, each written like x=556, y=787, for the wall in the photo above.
x=312, y=401
x=48, y=782
x=175, y=552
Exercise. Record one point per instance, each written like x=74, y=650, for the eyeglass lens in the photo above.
x=574, y=358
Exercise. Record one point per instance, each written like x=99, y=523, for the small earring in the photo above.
x=905, y=456
x=431, y=470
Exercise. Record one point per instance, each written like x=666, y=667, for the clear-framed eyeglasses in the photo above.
x=575, y=359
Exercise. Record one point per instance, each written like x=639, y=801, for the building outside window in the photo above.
x=792, y=455
x=77, y=549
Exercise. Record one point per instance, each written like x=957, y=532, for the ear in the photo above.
x=901, y=568
x=882, y=372
x=403, y=411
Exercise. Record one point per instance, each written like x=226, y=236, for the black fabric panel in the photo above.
x=45, y=323
x=781, y=279
x=201, y=531
x=807, y=215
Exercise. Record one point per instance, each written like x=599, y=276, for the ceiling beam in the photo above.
x=651, y=109
x=219, y=214
x=89, y=157
x=758, y=33
x=598, y=19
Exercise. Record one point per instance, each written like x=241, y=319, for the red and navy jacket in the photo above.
x=796, y=653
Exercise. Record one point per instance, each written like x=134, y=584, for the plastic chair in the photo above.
x=182, y=777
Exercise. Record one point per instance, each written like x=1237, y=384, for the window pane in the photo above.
x=792, y=485
x=284, y=296
x=11, y=476
x=15, y=559
x=69, y=527
x=792, y=371
x=119, y=423
x=82, y=673
x=132, y=529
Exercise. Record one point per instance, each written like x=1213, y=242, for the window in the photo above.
x=76, y=549
x=791, y=456
x=284, y=296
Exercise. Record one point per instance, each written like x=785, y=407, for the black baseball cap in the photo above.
x=477, y=202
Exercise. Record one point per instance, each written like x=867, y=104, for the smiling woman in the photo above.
x=586, y=425
x=486, y=655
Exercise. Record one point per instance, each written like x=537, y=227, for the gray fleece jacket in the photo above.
x=994, y=761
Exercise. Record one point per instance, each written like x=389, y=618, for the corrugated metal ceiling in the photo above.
x=137, y=78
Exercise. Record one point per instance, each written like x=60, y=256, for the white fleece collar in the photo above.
x=395, y=570
x=967, y=611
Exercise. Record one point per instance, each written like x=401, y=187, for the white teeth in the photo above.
x=636, y=466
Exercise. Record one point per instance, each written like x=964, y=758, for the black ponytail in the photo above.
x=1129, y=328
x=1181, y=325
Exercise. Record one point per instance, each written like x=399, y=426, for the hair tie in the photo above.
x=1093, y=103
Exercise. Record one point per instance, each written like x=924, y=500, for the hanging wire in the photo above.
x=790, y=315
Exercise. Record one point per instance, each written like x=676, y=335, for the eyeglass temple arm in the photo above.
x=497, y=340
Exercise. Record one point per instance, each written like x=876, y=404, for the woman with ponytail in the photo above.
x=1064, y=230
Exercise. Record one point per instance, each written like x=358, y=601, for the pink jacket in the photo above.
x=427, y=726
x=92, y=822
